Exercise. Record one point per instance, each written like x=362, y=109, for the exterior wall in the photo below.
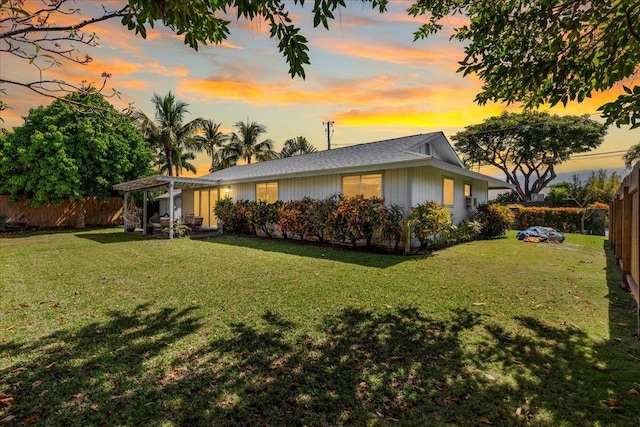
x=316, y=187
x=426, y=185
x=405, y=187
x=177, y=206
x=187, y=201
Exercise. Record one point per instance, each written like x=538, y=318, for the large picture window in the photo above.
x=448, y=186
x=267, y=192
x=368, y=185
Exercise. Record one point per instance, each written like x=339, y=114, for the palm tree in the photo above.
x=244, y=144
x=296, y=146
x=169, y=133
x=180, y=162
x=212, y=140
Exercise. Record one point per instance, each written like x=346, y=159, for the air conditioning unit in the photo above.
x=468, y=201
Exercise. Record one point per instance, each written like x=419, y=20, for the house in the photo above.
x=404, y=171
x=163, y=203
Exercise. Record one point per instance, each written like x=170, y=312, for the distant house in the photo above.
x=404, y=171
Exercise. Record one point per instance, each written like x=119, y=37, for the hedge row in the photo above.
x=590, y=220
x=355, y=219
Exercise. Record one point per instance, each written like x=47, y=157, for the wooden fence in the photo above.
x=624, y=232
x=97, y=213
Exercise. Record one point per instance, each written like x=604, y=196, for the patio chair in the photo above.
x=188, y=220
x=197, y=222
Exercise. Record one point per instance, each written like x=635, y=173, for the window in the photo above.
x=447, y=191
x=267, y=192
x=367, y=185
x=467, y=189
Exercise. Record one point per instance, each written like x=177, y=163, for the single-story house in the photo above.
x=163, y=203
x=404, y=171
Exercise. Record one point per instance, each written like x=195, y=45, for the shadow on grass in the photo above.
x=112, y=237
x=357, y=367
x=318, y=250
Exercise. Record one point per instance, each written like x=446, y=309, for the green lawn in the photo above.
x=102, y=328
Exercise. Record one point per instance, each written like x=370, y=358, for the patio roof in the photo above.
x=154, y=182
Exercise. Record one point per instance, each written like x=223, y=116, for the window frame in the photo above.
x=267, y=184
x=444, y=191
x=360, y=176
x=470, y=187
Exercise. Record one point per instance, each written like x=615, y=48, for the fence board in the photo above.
x=624, y=233
x=97, y=213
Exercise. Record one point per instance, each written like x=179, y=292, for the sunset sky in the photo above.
x=366, y=75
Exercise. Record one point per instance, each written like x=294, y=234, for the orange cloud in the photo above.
x=416, y=117
x=412, y=55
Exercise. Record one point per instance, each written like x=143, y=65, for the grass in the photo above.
x=98, y=327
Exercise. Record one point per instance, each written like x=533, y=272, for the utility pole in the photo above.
x=329, y=125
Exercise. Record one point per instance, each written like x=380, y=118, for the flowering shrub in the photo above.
x=394, y=225
x=233, y=216
x=494, y=219
x=357, y=218
x=432, y=224
x=262, y=215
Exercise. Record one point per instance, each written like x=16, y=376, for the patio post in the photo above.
x=171, y=210
x=124, y=211
x=144, y=213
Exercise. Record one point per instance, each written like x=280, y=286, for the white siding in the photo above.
x=426, y=185
x=316, y=187
x=395, y=189
x=187, y=201
x=405, y=187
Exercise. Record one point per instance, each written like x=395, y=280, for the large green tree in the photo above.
x=63, y=153
x=245, y=143
x=527, y=146
x=169, y=134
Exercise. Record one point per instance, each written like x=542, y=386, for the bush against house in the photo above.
x=355, y=220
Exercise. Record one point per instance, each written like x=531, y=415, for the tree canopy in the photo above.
x=530, y=51
x=599, y=188
x=169, y=135
x=62, y=153
x=527, y=146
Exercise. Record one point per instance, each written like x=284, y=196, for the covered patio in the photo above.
x=159, y=182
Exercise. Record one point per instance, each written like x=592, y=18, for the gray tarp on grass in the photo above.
x=545, y=234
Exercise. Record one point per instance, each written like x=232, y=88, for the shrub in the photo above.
x=393, y=225
x=494, y=219
x=233, y=216
x=592, y=219
x=357, y=218
x=432, y=224
x=468, y=231
x=295, y=218
x=262, y=215
x=320, y=218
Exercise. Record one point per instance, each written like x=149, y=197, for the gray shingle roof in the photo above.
x=390, y=151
